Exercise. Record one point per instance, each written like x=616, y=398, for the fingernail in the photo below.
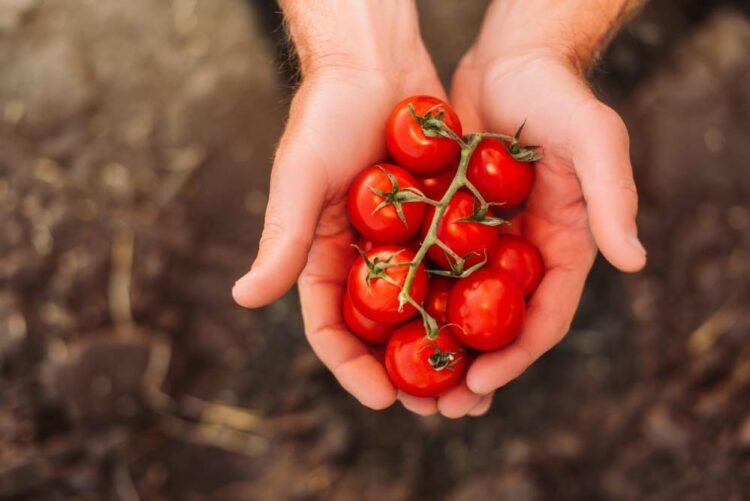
x=246, y=277
x=633, y=239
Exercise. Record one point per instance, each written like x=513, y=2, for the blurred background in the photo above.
x=135, y=146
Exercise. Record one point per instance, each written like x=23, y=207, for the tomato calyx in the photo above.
x=457, y=269
x=397, y=196
x=442, y=360
x=377, y=267
x=522, y=153
x=433, y=125
x=519, y=152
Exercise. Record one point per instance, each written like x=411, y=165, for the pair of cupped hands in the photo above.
x=584, y=197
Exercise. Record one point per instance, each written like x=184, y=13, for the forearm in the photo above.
x=361, y=34
x=575, y=29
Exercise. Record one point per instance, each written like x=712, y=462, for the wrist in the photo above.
x=574, y=31
x=369, y=35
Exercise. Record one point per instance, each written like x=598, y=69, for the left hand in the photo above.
x=584, y=195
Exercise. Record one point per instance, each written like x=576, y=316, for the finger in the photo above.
x=548, y=319
x=295, y=200
x=464, y=91
x=483, y=406
x=350, y=361
x=458, y=401
x=601, y=156
x=417, y=405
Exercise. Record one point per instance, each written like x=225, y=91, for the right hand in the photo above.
x=335, y=129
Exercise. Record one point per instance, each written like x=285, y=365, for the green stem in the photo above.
x=475, y=191
x=501, y=137
x=451, y=253
x=430, y=239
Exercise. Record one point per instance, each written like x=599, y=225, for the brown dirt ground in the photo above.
x=135, y=147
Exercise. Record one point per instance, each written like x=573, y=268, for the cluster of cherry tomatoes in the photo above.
x=441, y=269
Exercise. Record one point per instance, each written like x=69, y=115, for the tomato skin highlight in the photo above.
x=463, y=237
x=486, y=310
x=521, y=260
x=363, y=327
x=379, y=300
x=436, y=302
x=383, y=226
x=498, y=176
x=434, y=187
x=407, y=361
x=407, y=143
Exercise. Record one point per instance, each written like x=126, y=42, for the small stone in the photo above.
x=48, y=171
x=116, y=177
x=663, y=431
x=97, y=372
x=13, y=13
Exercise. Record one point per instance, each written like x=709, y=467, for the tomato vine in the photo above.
x=433, y=126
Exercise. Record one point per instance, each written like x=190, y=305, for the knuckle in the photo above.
x=612, y=121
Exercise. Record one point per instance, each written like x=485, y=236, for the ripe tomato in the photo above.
x=365, y=328
x=436, y=302
x=519, y=259
x=469, y=239
x=486, y=310
x=435, y=186
x=384, y=224
x=421, y=366
x=498, y=176
x=515, y=219
x=378, y=300
x=410, y=147
x=378, y=352
x=367, y=245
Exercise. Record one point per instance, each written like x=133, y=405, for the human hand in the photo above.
x=584, y=195
x=336, y=128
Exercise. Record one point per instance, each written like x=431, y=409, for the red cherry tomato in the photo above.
x=498, y=176
x=365, y=328
x=435, y=186
x=383, y=224
x=410, y=147
x=421, y=366
x=367, y=245
x=436, y=302
x=379, y=299
x=519, y=259
x=515, y=221
x=378, y=352
x=486, y=310
x=469, y=239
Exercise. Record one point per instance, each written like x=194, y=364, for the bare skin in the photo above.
x=367, y=56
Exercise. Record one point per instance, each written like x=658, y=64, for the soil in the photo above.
x=135, y=147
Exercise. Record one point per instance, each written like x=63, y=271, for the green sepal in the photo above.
x=434, y=126
x=479, y=215
x=397, y=196
x=442, y=360
x=520, y=152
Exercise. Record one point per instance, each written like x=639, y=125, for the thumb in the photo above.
x=601, y=156
x=295, y=200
